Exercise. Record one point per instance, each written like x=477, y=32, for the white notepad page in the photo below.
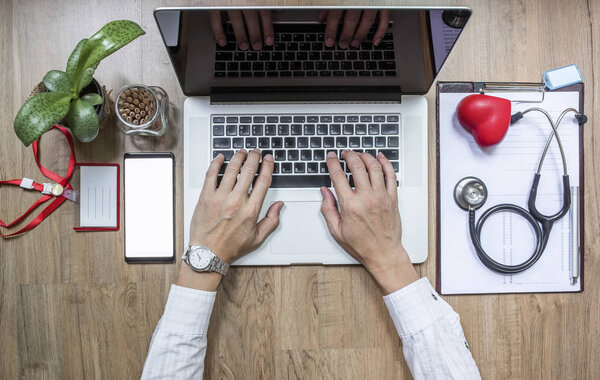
x=98, y=196
x=507, y=169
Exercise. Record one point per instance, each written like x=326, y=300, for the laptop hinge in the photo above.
x=312, y=94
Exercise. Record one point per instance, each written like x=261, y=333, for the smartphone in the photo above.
x=149, y=202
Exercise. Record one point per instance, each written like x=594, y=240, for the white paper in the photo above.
x=98, y=196
x=507, y=169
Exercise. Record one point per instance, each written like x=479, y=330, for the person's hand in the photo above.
x=367, y=224
x=247, y=23
x=226, y=217
x=355, y=27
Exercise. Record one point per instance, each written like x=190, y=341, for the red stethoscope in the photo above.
x=58, y=192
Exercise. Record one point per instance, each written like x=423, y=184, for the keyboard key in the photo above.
x=227, y=153
x=367, y=142
x=258, y=119
x=232, y=66
x=321, y=128
x=245, y=66
x=348, y=129
x=308, y=65
x=258, y=66
x=380, y=142
x=324, y=73
x=245, y=119
x=231, y=129
x=299, y=167
x=244, y=129
x=328, y=142
x=346, y=65
x=366, y=119
x=373, y=129
x=218, y=119
x=272, y=119
x=352, y=119
x=319, y=155
x=312, y=167
x=257, y=130
x=265, y=152
x=286, y=168
x=379, y=118
x=361, y=129
x=341, y=142
x=389, y=55
x=296, y=129
x=289, y=142
x=276, y=168
x=302, y=142
x=377, y=73
x=339, y=119
x=312, y=119
x=276, y=142
x=390, y=154
x=239, y=56
x=251, y=56
x=305, y=155
x=293, y=155
x=390, y=129
x=222, y=143
x=218, y=129
x=223, y=56
x=370, y=65
x=250, y=142
x=299, y=119
x=396, y=166
x=392, y=119
x=335, y=129
x=372, y=152
x=301, y=181
x=315, y=142
x=280, y=155
x=270, y=129
x=393, y=142
x=264, y=56
x=283, y=129
x=309, y=129
x=325, y=119
x=354, y=142
x=220, y=66
x=264, y=142
x=238, y=143
x=285, y=119
x=323, y=167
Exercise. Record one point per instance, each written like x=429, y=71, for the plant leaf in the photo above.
x=83, y=120
x=92, y=98
x=57, y=81
x=110, y=38
x=39, y=114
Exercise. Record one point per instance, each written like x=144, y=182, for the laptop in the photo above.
x=299, y=99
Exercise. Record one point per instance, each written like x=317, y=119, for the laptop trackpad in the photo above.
x=302, y=229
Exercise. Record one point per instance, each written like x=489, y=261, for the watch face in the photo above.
x=199, y=258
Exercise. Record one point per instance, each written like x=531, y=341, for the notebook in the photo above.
x=507, y=169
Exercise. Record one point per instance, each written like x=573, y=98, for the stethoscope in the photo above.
x=471, y=193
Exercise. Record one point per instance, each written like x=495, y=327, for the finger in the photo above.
x=232, y=171
x=269, y=223
x=367, y=20
x=390, y=176
x=263, y=182
x=331, y=213
x=333, y=20
x=237, y=22
x=247, y=173
x=253, y=26
x=375, y=171
x=217, y=27
x=351, y=20
x=322, y=16
x=384, y=19
x=267, y=27
x=338, y=177
x=358, y=169
x=210, y=181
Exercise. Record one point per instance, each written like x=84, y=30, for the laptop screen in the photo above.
x=309, y=50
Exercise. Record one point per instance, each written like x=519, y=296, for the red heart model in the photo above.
x=486, y=117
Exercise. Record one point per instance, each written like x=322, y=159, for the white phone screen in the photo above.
x=149, y=218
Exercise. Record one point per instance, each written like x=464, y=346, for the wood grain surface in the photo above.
x=71, y=308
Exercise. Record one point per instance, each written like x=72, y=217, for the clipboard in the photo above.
x=489, y=88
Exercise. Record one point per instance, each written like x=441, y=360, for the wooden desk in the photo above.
x=71, y=308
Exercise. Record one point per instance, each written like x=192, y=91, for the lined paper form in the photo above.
x=507, y=169
x=98, y=196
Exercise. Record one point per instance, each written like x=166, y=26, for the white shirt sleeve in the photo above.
x=433, y=340
x=178, y=346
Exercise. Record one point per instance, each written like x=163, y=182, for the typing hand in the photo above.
x=355, y=27
x=367, y=224
x=255, y=24
x=226, y=217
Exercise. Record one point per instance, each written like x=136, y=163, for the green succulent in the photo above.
x=63, y=100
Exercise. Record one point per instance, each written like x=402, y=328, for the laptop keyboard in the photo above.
x=299, y=51
x=299, y=143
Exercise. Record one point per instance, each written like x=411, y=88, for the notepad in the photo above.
x=507, y=169
x=98, y=196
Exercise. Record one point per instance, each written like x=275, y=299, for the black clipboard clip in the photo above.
x=487, y=87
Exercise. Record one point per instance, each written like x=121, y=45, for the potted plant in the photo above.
x=73, y=96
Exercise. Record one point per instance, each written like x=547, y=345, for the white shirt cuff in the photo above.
x=415, y=307
x=187, y=311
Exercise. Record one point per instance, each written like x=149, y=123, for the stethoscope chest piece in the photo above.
x=470, y=193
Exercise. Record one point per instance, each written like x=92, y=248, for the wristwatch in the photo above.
x=201, y=259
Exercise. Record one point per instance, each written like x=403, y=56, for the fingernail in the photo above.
x=242, y=150
x=377, y=41
x=268, y=157
x=355, y=43
x=269, y=40
x=244, y=46
x=256, y=46
x=343, y=44
x=219, y=155
x=329, y=42
x=323, y=192
x=222, y=42
x=331, y=155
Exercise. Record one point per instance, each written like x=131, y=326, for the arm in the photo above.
x=226, y=221
x=367, y=225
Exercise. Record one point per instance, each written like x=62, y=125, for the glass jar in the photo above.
x=142, y=110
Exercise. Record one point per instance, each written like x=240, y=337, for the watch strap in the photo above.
x=218, y=265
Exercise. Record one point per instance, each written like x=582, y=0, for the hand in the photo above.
x=226, y=217
x=367, y=224
x=258, y=24
x=356, y=26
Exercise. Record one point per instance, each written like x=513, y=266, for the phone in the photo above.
x=149, y=200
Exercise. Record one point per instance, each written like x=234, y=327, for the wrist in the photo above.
x=396, y=273
x=215, y=248
x=207, y=281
